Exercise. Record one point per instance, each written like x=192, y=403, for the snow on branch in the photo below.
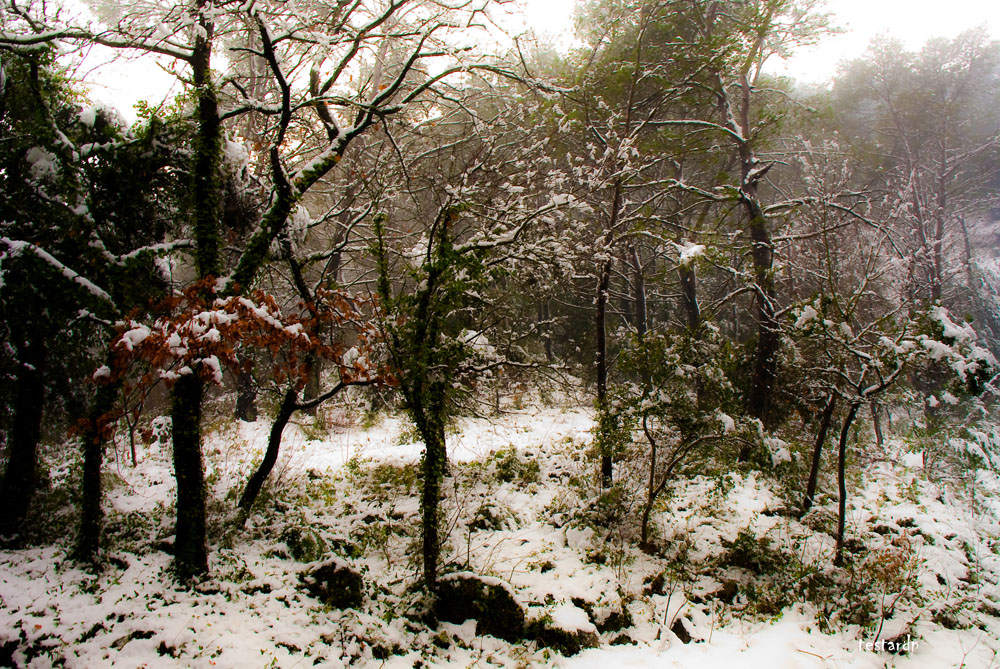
x=16, y=247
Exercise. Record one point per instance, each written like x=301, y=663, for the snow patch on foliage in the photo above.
x=572, y=618
x=689, y=253
x=778, y=449
x=728, y=424
x=132, y=338
x=807, y=315
x=42, y=164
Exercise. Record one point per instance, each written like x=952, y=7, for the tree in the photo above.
x=679, y=402
x=627, y=79
x=334, y=43
x=927, y=122
x=444, y=251
x=79, y=246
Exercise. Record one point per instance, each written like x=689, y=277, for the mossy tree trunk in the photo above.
x=425, y=368
x=433, y=467
x=190, y=553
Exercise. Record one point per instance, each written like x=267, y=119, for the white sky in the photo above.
x=913, y=21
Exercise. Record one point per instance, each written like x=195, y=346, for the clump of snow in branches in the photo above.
x=689, y=253
x=42, y=164
x=807, y=315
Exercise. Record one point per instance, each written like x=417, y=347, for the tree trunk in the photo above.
x=762, y=253
x=256, y=481
x=433, y=465
x=600, y=320
x=206, y=190
x=246, y=397
x=824, y=427
x=543, y=319
x=314, y=367
x=190, y=557
x=20, y=478
x=641, y=312
x=88, y=542
x=689, y=296
x=651, y=490
x=877, y=424
x=765, y=358
x=937, y=256
x=842, y=483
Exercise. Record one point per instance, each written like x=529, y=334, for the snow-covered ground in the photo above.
x=738, y=580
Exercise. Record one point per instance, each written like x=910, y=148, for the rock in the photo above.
x=728, y=592
x=121, y=642
x=566, y=629
x=615, y=620
x=335, y=584
x=464, y=596
x=681, y=631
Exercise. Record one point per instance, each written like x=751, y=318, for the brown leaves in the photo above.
x=195, y=332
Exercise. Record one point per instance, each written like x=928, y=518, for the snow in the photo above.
x=339, y=480
x=689, y=253
x=807, y=314
x=478, y=342
x=960, y=333
x=214, y=366
x=779, y=450
x=88, y=116
x=43, y=163
x=937, y=350
x=728, y=424
x=236, y=154
x=132, y=338
x=572, y=618
x=418, y=253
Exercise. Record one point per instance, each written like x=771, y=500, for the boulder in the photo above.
x=335, y=583
x=567, y=629
x=489, y=601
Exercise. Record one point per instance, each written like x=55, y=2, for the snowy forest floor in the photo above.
x=738, y=579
